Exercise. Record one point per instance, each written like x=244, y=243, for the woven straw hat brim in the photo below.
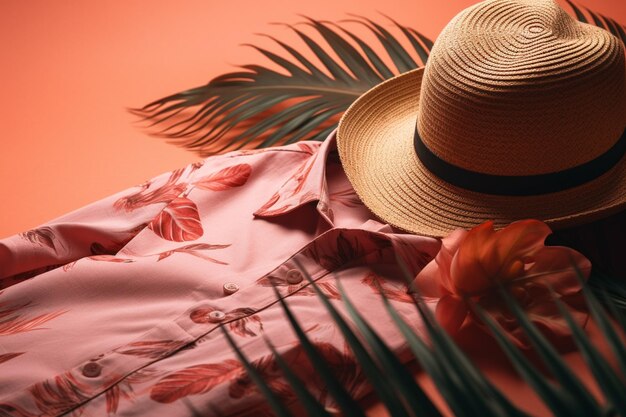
x=375, y=144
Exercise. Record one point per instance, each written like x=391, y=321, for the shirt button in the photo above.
x=294, y=276
x=216, y=316
x=92, y=370
x=230, y=288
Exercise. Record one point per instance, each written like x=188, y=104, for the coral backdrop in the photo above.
x=70, y=68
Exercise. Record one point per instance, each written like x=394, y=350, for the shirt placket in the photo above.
x=103, y=371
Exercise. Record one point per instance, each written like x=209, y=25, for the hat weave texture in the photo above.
x=511, y=88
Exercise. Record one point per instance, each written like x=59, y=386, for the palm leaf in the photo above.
x=348, y=405
x=613, y=386
x=465, y=383
x=573, y=390
x=261, y=107
x=456, y=391
x=465, y=389
x=277, y=406
x=375, y=373
x=599, y=20
x=314, y=408
x=411, y=393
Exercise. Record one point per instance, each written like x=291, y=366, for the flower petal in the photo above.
x=451, y=312
x=554, y=265
x=434, y=279
x=470, y=269
x=520, y=239
x=486, y=254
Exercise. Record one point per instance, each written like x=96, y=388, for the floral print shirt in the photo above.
x=115, y=309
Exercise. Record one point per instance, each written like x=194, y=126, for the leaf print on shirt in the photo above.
x=301, y=175
x=240, y=327
x=122, y=387
x=308, y=196
x=413, y=254
x=392, y=290
x=57, y=395
x=329, y=289
x=270, y=372
x=6, y=282
x=346, y=370
x=265, y=209
x=342, y=364
x=11, y=410
x=115, y=393
x=347, y=247
x=10, y=310
x=225, y=179
x=239, y=319
x=298, y=180
x=309, y=148
x=109, y=258
x=105, y=258
x=162, y=194
x=43, y=236
x=113, y=246
x=97, y=248
x=152, y=349
x=178, y=222
x=197, y=379
x=11, y=322
x=8, y=356
x=195, y=250
x=200, y=379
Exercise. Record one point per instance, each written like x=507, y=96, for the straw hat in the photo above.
x=520, y=112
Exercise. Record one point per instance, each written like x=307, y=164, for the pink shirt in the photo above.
x=114, y=308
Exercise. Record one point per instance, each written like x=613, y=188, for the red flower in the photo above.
x=471, y=265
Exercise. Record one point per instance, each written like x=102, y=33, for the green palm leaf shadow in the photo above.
x=465, y=389
x=262, y=107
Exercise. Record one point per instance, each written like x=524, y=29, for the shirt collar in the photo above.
x=307, y=184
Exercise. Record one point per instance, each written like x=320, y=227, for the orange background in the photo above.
x=70, y=68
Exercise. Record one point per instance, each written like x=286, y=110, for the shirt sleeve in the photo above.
x=99, y=228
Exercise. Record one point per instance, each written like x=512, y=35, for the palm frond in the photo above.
x=571, y=389
x=613, y=387
x=277, y=406
x=412, y=394
x=348, y=405
x=599, y=20
x=465, y=389
x=261, y=107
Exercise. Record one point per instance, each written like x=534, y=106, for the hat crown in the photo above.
x=518, y=87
